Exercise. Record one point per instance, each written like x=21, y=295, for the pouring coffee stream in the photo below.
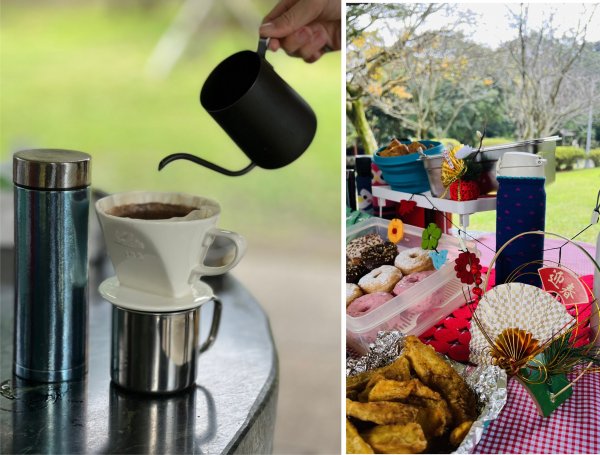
x=259, y=111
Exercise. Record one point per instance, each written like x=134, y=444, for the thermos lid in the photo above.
x=520, y=164
x=52, y=169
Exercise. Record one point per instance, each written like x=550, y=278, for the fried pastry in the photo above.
x=354, y=442
x=459, y=433
x=416, y=403
x=407, y=438
x=414, y=147
x=436, y=373
x=391, y=390
x=398, y=370
x=382, y=412
x=433, y=416
x=395, y=148
x=364, y=396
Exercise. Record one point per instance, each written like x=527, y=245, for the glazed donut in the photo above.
x=355, y=248
x=378, y=255
x=367, y=302
x=413, y=260
x=409, y=281
x=381, y=279
x=352, y=292
x=425, y=302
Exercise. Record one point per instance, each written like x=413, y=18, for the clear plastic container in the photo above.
x=419, y=307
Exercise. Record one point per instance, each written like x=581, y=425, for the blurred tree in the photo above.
x=425, y=79
x=189, y=22
x=360, y=62
x=547, y=78
x=385, y=127
x=488, y=113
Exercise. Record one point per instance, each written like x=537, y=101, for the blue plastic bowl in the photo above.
x=407, y=173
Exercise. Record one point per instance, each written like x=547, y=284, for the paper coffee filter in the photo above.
x=515, y=305
x=206, y=208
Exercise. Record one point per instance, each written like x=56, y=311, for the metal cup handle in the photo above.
x=214, y=326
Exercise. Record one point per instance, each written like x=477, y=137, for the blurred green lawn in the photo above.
x=569, y=204
x=72, y=77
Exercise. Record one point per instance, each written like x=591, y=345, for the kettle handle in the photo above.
x=263, y=45
x=202, y=162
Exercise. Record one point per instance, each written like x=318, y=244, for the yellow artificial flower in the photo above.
x=395, y=230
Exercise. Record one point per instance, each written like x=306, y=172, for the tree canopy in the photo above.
x=440, y=83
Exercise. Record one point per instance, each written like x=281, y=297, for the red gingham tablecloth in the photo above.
x=573, y=428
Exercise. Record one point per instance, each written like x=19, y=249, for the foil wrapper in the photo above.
x=487, y=381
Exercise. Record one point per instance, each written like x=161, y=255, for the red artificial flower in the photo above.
x=464, y=190
x=467, y=268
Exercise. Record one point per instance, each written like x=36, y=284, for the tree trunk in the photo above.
x=356, y=112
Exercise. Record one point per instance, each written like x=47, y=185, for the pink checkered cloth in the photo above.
x=573, y=428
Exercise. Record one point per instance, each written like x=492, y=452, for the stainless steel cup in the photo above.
x=157, y=352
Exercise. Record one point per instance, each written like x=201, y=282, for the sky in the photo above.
x=493, y=21
x=493, y=24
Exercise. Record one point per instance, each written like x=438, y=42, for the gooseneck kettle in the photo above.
x=259, y=111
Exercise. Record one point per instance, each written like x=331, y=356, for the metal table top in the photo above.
x=231, y=409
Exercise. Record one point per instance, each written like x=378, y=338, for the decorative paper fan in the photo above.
x=517, y=306
x=529, y=332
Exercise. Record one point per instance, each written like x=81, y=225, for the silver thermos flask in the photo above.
x=52, y=194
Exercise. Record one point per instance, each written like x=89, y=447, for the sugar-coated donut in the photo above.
x=381, y=279
x=367, y=302
x=378, y=255
x=353, y=291
x=355, y=248
x=413, y=260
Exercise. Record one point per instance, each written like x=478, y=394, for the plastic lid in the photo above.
x=52, y=169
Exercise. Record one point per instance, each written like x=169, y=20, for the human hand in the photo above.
x=304, y=28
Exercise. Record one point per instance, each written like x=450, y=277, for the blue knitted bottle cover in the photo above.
x=521, y=207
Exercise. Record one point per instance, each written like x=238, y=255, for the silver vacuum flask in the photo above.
x=51, y=295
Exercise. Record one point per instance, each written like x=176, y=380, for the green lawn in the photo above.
x=72, y=77
x=569, y=204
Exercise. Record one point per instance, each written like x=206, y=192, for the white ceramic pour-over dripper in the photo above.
x=133, y=299
x=158, y=263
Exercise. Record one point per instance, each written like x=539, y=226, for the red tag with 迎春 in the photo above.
x=565, y=284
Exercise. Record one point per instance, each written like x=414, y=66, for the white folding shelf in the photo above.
x=462, y=208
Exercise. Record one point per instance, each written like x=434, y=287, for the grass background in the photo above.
x=73, y=77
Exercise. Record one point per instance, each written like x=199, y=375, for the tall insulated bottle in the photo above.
x=51, y=225
x=521, y=207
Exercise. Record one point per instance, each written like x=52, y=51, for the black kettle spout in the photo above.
x=202, y=162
